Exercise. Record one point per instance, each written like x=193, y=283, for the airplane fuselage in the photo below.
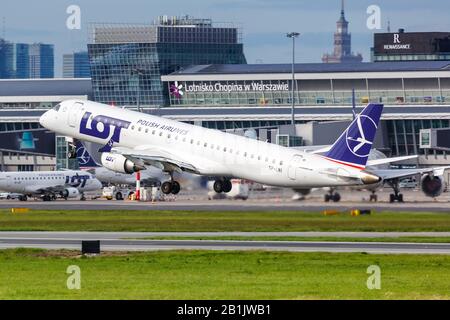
x=212, y=152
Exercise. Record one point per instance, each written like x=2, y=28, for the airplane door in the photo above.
x=74, y=111
x=294, y=165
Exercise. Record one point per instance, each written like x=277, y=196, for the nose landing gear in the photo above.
x=396, y=196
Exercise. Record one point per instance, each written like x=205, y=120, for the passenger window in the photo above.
x=205, y=145
x=153, y=132
x=160, y=134
x=146, y=130
x=132, y=127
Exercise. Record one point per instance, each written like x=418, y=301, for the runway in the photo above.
x=72, y=241
x=226, y=205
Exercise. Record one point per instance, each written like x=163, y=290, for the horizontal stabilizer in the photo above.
x=377, y=162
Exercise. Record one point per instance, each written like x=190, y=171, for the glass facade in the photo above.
x=127, y=62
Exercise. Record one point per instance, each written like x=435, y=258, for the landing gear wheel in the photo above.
x=400, y=198
x=23, y=198
x=46, y=198
x=373, y=197
x=176, y=187
x=119, y=196
x=227, y=186
x=327, y=198
x=218, y=186
x=166, y=187
x=336, y=197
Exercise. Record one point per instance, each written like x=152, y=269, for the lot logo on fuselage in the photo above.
x=77, y=180
x=100, y=127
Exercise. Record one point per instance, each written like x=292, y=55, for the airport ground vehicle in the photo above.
x=113, y=192
x=9, y=195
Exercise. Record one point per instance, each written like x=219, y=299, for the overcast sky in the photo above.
x=264, y=22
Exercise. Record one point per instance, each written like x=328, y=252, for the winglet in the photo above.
x=353, y=146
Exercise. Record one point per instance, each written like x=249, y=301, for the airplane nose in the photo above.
x=43, y=120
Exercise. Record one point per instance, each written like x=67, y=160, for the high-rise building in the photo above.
x=14, y=60
x=24, y=61
x=76, y=65
x=42, y=61
x=127, y=61
x=342, y=44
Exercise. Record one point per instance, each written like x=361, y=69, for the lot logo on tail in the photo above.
x=354, y=145
x=356, y=136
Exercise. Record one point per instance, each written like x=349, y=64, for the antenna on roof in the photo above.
x=389, y=26
x=4, y=27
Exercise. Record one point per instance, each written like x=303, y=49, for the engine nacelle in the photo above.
x=432, y=186
x=118, y=163
x=70, y=193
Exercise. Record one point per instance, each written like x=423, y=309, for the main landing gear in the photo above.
x=332, y=196
x=373, y=196
x=171, y=187
x=48, y=197
x=396, y=196
x=222, y=185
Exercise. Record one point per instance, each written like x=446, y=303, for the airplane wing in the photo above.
x=388, y=174
x=377, y=162
x=44, y=189
x=156, y=157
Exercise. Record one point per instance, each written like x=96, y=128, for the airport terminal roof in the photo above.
x=315, y=68
x=45, y=87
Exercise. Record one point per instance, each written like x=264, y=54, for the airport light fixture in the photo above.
x=293, y=35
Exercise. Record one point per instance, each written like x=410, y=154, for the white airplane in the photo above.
x=49, y=184
x=132, y=141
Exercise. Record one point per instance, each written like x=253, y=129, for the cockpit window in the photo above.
x=56, y=108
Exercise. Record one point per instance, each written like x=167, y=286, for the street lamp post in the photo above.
x=293, y=35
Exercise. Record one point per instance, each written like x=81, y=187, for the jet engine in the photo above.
x=118, y=163
x=432, y=186
x=70, y=193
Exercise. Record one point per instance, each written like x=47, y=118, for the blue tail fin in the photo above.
x=85, y=160
x=354, y=145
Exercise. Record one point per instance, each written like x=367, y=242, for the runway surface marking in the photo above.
x=59, y=242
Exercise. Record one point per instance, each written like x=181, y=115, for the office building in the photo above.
x=127, y=61
x=76, y=65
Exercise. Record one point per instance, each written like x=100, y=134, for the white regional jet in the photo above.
x=49, y=184
x=132, y=141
